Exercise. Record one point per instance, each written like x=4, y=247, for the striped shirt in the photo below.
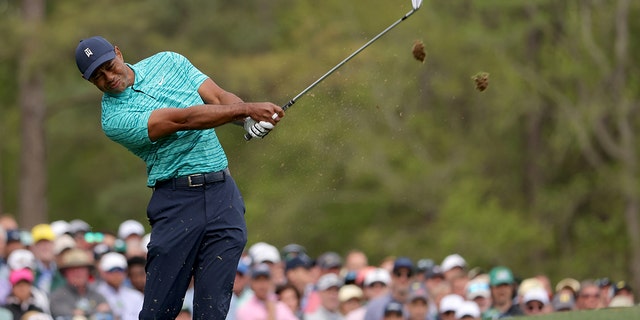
x=164, y=80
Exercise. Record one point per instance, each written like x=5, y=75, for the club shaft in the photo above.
x=247, y=136
x=303, y=92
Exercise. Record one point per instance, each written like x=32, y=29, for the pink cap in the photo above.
x=21, y=275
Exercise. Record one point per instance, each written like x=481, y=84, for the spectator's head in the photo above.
x=478, y=291
x=21, y=281
x=261, y=282
x=536, y=301
x=448, y=306
x=328, y=288
x=242, y=277
x=588, y=296
x=453, y=265
x=568, y=285
x=75, y=266
x=622, y=288
x=394, y=311
x=264, y=253
x=417, y=302
x=298, y=271
x=136, y=272
x=563, y=301
x=356, y=260
x=43, y=237
x=351, y=297
x=329, y=262
x=376, y=283
x=401, y=278
x=131, y=232
x=502, y=283
x=468, y=310
x=289, y=295
x=20, y=259
x=14, y=241
x=292, y=250
x=113, y=269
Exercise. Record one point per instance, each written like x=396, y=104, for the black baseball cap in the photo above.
x=93, y=52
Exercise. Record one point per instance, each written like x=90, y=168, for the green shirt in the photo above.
x=164, y=80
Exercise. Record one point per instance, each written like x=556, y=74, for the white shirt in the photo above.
x=125, y=303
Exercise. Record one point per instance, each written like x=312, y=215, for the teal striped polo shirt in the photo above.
x=164, y=80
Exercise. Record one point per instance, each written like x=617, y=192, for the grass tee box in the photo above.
x=605, y=314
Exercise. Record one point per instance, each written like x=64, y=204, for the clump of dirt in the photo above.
x=418, y=51
x=481, y=80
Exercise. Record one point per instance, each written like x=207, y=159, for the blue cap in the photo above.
x=402, y=262
x=299, y=261
x=91, y=53
x=261, y=270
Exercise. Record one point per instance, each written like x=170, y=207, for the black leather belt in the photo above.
x=194, y=180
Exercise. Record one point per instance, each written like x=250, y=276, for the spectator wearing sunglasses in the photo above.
x=401, y=279
x=535, y=302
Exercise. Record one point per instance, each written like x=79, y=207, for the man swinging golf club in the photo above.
x=164, y=110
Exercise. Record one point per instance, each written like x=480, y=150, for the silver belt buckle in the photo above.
x=195, y=184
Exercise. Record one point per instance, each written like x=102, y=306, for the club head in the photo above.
x=416, y=4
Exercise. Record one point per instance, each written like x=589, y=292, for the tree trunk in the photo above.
x=32, y=180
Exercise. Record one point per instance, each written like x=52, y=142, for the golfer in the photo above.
x=164, y=110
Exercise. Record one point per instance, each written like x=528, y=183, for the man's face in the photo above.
x=502, y=294
x=418, y=309
x=588, y=298
x=113, y=76
x=138, y=277
x=262, y=287
x=329, y=298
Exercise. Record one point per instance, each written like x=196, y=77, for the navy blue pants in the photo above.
x=199, y=232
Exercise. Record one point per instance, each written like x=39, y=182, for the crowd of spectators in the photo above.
x=67, y=271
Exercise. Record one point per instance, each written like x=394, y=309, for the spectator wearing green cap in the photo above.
x=503, y=288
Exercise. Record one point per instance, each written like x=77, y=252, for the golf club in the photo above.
x=415, y=4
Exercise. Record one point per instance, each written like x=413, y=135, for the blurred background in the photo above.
x=388, y=155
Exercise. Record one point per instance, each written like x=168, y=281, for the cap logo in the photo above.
x=88, y=52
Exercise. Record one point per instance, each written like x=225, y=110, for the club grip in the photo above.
x=247, y=136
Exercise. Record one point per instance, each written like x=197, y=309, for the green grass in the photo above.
x=604, y=314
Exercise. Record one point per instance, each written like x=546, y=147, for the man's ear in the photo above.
x=118, y=52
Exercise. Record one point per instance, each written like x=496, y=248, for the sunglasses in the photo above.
x=534, y=307
x=401, y=273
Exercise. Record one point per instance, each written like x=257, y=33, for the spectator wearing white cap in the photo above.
x=468, y=310
x=351, y=299
x=448, y=306
x=263, y=252
x=125, y=302
x=21, y=259
x=131, y=232
x=478, y=291
x=376, y=283
x=535, y=301
x=453, y=265
x=328, y=289
x=401, y=278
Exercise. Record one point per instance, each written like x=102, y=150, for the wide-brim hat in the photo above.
x=74, y=258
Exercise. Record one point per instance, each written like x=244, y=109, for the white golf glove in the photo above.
x=257, y=129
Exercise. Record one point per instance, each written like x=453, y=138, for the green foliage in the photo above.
x=388, y=155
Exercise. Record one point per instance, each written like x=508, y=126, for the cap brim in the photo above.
x=104, y=58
